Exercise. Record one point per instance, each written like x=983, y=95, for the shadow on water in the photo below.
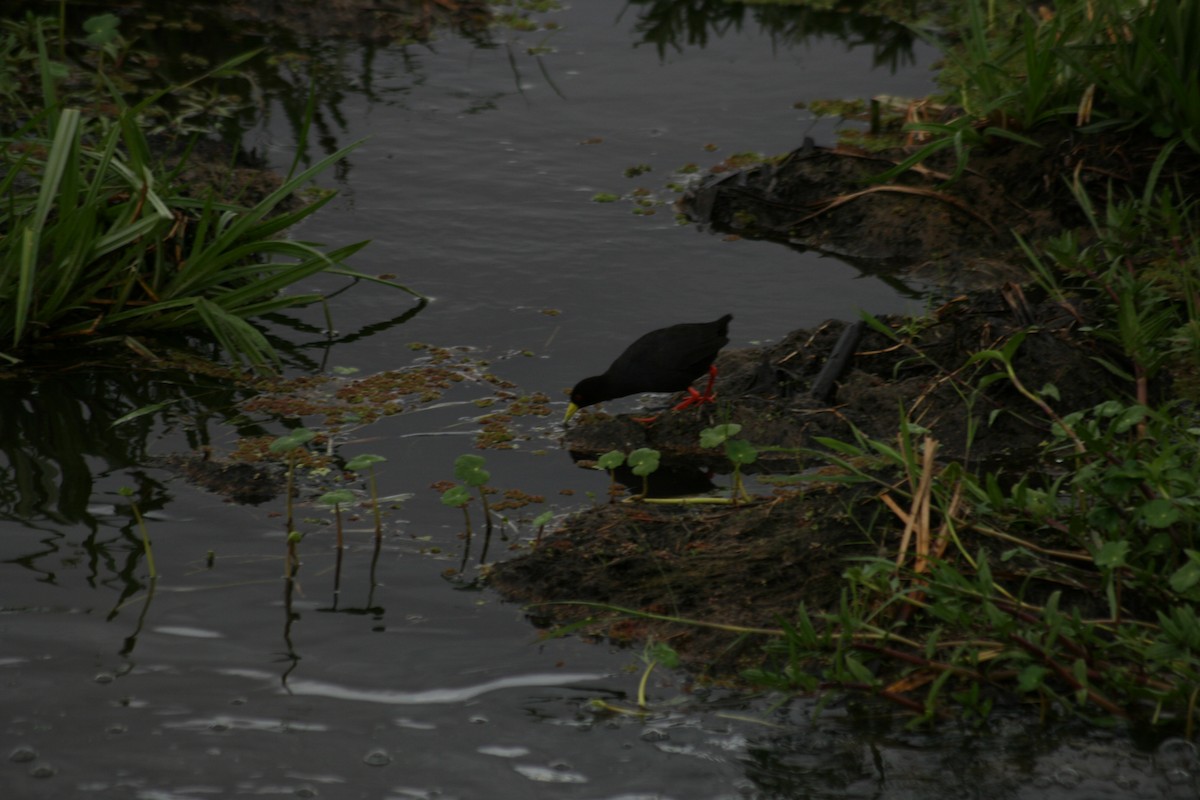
x=672, y=24
x=322, y=56
x=57, y=422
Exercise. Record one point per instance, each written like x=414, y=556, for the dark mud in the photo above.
x=922, y=226
x=753, y=565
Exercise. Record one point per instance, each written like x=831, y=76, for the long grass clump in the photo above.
x=100, y=240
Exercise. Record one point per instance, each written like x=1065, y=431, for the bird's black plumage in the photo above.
x=665, y=360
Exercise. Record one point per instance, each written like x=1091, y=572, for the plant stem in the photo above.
x=145, y=542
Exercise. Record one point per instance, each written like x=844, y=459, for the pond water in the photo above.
x=475, y=186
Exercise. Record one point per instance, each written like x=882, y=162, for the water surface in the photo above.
x=475, y=184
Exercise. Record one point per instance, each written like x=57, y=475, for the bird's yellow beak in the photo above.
x=571, y=409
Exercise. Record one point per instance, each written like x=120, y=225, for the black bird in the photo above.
x=665, y=360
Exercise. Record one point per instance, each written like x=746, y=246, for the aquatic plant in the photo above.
x=643, y=462
x=458, y=497
x=290, y=445
x=539, y=522
x=468, y=468
x=292, y=560
x=653, y=654
x=610, y=461
x=739, y=452
x=368, y=461
x=337, y=498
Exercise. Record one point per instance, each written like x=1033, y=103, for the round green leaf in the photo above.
x=610, y=460
x=359, y=463
x=291, y=441
x=644, y=460
x=337, y=497
x=711, y=437
x=456, y=497
x=739, y=451
x=469, y=469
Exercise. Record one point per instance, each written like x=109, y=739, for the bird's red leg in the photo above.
x=695, y=398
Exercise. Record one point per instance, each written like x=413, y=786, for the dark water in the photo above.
x=475, y=186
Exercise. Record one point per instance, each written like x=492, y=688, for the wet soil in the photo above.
x=922, y=226
x=754, y=565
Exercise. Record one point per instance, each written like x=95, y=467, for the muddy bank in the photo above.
x=753, y=565
x=922, y=226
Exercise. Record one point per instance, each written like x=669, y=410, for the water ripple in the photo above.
x=311, y=688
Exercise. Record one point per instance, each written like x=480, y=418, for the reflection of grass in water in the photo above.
x=126, y=491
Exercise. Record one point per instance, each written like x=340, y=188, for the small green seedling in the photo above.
x=468, y=468
x=610, y=461
x=103, y=34
x=337, y=498
x=358, y=464
x=125, y=491
x=457, y=496
x=539, y=522
x=644, y=461
x=290, y=444
x=738, y=451
x=654, y=654
x=292, y=564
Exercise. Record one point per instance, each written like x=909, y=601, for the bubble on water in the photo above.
x=549, y=775
x=503, y=752
x=413, y=724
x=23, y=753
x=746, y=788
x=116, y=728
x=655, y=735
x=377, y=758
x=42, y=770
x=478, y=719
x=104, y=677
x=1126, y=782
x=1179, y=777
x=1067, y=777
x=1176, y=753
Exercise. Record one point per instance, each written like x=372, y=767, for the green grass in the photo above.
x=1094, y=65
x=102, y=241
x=1072, y=582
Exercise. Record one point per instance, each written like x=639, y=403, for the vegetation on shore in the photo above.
x=105, y=239
x=1072, y=581
x=978, y=593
